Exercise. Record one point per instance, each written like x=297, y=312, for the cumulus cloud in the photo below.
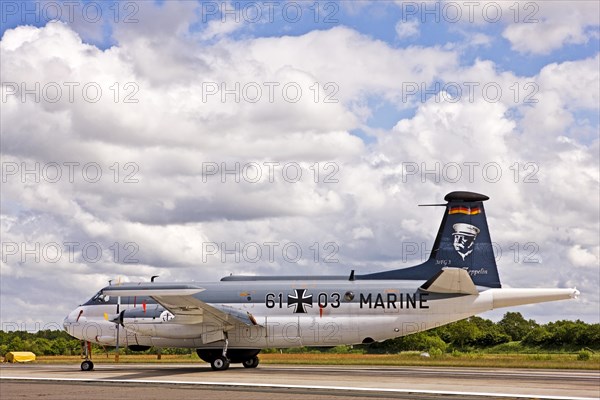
x=199, y=172
x=581, y=257
x=407, y=29
x=556, y=24
x=153, y=153
x=537, y=28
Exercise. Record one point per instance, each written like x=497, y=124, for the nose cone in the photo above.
x=72, y=320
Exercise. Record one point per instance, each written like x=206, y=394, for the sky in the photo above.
x=194, y=140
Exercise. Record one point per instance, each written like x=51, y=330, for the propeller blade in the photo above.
x=115, y=318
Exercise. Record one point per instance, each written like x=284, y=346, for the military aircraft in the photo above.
x=232, y=320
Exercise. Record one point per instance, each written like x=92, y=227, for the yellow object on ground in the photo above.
x=19, y=356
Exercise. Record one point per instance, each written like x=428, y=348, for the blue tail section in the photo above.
x=463, y=241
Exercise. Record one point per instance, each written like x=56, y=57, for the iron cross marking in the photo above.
x=299, y=301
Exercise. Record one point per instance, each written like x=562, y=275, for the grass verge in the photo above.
x=549, y=361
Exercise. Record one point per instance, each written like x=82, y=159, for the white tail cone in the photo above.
x=517, y=297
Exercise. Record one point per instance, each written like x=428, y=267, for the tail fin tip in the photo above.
x=465, y=196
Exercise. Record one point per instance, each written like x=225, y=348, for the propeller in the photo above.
x=115, y=318
x=120, y=321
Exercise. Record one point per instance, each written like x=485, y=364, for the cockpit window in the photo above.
x=100, y=298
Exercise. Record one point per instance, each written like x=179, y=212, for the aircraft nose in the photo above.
x=72, y=319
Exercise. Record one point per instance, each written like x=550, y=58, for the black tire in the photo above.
x=251, y=363
x=234, y=355
x=87, y=366
x=219, y=364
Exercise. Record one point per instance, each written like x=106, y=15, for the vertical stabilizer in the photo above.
x=463, y=241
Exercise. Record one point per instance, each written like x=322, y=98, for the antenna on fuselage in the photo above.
x=110, y=282
x=351, y=276
x=153, y=277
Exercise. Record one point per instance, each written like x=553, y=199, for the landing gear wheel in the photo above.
x=87, y=365
x=219, y=364
x=251, y=363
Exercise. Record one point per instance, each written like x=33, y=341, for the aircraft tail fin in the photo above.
x=463, y=241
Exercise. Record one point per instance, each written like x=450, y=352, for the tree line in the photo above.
x=512, y=333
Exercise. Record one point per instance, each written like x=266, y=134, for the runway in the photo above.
x=150, y=381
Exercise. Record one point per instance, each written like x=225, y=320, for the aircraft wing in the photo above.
x=180, y=301
x=450, y=280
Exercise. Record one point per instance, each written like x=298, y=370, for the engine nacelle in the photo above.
x=162, y=323
x=165, y=329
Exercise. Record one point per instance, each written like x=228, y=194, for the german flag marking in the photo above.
x=464, y=210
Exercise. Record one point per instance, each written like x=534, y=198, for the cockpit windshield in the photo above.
x=100, y=298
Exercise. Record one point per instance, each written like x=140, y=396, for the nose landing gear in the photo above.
x=87, y=365
x=86, y=349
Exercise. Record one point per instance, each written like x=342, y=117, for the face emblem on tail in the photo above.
x=464, y=238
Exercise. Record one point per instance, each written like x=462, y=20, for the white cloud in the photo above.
x=218, y=29
x=168, y=211
x=530, y=27
x=362, y=233
x=581, y=257
x=480, y=39
x=407, y=29
x=369, y=210
x=553, y=25
x=573, y=81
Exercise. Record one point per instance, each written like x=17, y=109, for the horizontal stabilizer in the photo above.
x=517, y=297
x=451, y=280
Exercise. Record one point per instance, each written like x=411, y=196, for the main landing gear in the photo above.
x=251, y=363
x=219, y=362
x=87, y=364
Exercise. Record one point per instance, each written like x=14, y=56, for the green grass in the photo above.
x=518, y=347
x=552, y=361
x=542, y=360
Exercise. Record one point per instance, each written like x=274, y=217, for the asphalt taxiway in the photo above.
x=159, y=381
